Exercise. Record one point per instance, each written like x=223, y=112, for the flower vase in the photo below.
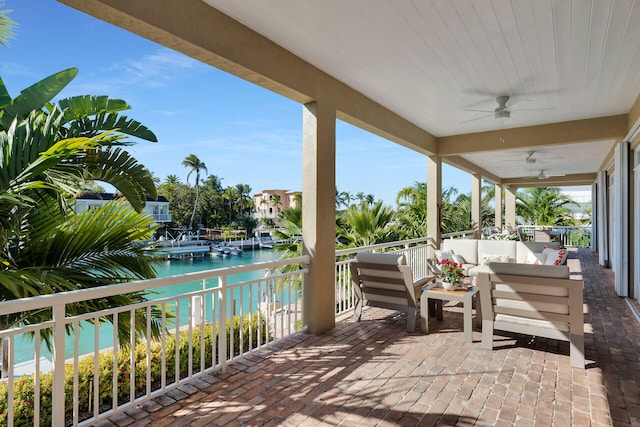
x=448, y=285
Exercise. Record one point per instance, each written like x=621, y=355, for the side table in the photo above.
x=435, y=291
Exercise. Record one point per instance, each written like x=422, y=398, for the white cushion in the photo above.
x=499, y=247
x=535, y=258
x=468, y=248
x=373, y=258
x=486, y=259
x=555, y=256
x=440, y=255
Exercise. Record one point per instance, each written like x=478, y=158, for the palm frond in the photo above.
x=36, y=96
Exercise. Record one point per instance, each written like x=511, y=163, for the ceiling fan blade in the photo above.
x=479, y=111
x=478, y=118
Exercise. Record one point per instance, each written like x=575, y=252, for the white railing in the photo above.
x=571, y=236
x=415, y=251
x=109, y=377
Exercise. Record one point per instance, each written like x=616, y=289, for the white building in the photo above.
x=158, y=209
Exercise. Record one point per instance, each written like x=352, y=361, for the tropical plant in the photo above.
x=544, y=206
x=196, y=166
x=7, y=26
x=411, y=215
x=48, y=154
x=366, y=224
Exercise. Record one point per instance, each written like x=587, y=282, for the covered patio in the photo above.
x=375, y=373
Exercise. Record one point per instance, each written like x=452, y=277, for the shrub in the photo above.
x=249, y=327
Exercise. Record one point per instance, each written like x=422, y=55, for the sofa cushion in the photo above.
x=534, y=258
x=555, y=256
x=474, y=271
x=525, y=248
x=443, y=254
x=468, y=248
x=497, y=247
x=550, y=271
x=486, y=259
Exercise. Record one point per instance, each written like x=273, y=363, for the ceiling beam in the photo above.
x=202, y=32
x=552, y=181
x=472, y=168
x=572, y=132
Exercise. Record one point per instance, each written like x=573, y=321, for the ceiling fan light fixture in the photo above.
x=502, y=114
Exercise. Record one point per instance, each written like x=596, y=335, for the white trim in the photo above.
x=633, y=308
x=636, y=224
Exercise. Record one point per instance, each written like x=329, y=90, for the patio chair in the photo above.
x=537, y=300
x=386, y=281
x=543, y=235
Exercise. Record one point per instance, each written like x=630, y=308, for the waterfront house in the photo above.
x=483, y=86
x=157, y=208
x=268, y=208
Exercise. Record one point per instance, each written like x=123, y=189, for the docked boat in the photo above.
x=185, y=245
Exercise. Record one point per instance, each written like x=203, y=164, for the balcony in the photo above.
x=370, y=372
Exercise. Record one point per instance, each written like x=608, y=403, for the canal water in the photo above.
x=24, y=346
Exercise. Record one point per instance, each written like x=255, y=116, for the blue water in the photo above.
x=24, y=346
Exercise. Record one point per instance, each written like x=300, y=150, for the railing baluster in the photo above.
x=57, y=393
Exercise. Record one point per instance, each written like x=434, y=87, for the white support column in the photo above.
x=621, y=235
x=510, y=207
x=498, y=206
x=434, y=201
x=319, y=214
x=476, y=204
x=603, y=219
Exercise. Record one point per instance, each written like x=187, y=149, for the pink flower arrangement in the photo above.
x=451, y=271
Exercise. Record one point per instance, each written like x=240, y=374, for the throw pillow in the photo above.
x=440, y=255
x=555, y=256
x=535, y=258
x=489, y=258
x=459, y=259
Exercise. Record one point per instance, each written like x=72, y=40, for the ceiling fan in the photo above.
x=502, y=111
x=544, y=175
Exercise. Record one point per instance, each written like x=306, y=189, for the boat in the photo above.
x=184, y=245
x=265, y=240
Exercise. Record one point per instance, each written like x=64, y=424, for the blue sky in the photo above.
x=244, y=133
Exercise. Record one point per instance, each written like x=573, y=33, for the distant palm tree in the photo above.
x=230, y=196
x=544, y=206
x=343, y=198
x=195, y=165
x=411, y=216
x=276, y=201
x=243, y=192
x=172, y=180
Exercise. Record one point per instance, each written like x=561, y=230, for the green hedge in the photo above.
x=248, y=326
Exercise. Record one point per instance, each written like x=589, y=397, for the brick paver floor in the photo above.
x=373, y=373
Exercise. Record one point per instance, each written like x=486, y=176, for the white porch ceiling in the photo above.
x=430, y=61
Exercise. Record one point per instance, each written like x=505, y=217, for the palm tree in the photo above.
x=195, y=165
x=172, y=179
x=365, y=224
x=229, y=195
x=411, y=216
x=6, y=26
x=343, y=198
x=276, y=201
x=48, y=154
x=544, y=206
x=243, y=192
